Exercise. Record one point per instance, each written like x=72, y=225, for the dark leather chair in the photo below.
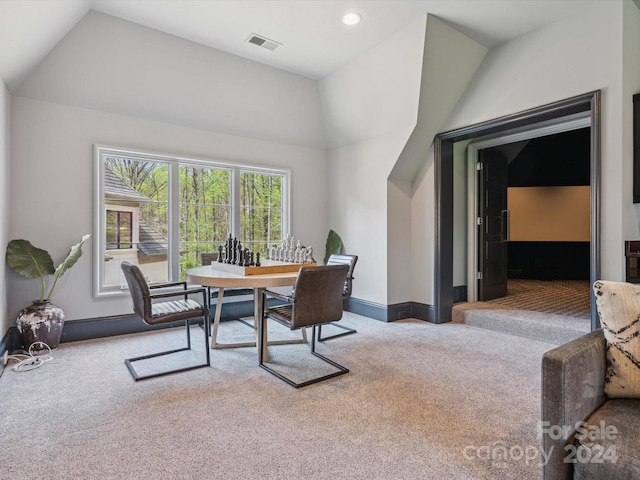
x=316, y=299
x=166, y=311
x=350, y=260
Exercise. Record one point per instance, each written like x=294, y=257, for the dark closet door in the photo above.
x=492, y=226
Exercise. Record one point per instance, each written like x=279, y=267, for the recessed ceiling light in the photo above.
x=351, y=19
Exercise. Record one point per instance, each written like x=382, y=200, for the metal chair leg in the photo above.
x=129, y=361
x=341, y=370
x=349, y=331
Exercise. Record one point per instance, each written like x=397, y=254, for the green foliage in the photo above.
x=32, y=262
x=27, y=260
x=260, y=210
x=334, y=245
x=205, y=205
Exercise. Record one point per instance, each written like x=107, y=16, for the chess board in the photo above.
x=266, y=267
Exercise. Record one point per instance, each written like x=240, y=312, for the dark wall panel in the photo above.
x=549, y=260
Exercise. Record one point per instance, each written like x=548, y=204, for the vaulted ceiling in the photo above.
x=314, y=41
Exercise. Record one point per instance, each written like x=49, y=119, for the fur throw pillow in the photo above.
x=619, y=310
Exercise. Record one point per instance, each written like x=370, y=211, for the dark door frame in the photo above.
x=443, y=169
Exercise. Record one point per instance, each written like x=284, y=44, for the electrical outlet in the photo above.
x=5, y=357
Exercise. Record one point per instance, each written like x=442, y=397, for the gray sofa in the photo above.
x=586, y=435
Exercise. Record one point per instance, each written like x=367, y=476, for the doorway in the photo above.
x=537, y=225
x=585, y=108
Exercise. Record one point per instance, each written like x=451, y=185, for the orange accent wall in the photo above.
x=549, y=214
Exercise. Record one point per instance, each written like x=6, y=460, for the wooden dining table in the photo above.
x=209, y=276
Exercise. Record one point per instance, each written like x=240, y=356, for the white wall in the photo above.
x=215, y=105
x=358, y=206
x=377, y=93
x=423, y=226
x=422, y=233
x=51, y=186
x=381, y=112
x=116, y=83
x=370, y=108
x=112, y=65
x=577, y=55
x=5, y=110
x=450, y=60
x=460, y=213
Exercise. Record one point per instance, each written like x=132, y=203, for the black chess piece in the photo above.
x=228, y=250
x=220, y=254
x=251, y=262
x=238, y=255
x=257, y=259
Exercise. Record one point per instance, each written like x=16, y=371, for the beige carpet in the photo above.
x=422, y=401
x=570, y=298
x=554, y=312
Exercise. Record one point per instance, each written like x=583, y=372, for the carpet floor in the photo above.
x=421, y=401
x=570, y=298
x=555, y=312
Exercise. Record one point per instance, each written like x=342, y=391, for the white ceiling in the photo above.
x=315, y=42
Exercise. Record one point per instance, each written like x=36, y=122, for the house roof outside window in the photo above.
x=151, y=242
x=117, y=189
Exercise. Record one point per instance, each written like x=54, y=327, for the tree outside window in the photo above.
x=260, y=210
x=146, y=200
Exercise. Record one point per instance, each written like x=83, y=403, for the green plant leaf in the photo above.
x=27, y=260
x=334, y=245
x=74, y=254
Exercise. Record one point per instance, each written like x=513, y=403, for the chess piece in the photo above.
x=258, y=258
x=252, y=262
x=220, y=254
x=238, y=251
x=229, y=251
x=298, y=253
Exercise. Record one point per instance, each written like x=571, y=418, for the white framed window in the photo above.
x=161, y=212
x=122, y=227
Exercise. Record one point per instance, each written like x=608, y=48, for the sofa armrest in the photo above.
x=572, y=388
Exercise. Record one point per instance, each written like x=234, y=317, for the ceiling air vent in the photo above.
x=263, y=42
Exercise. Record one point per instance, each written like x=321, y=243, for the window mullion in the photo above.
x=235, y=203
x=137, y=227
x=173, y=246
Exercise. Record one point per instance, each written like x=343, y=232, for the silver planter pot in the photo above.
x=40, y=322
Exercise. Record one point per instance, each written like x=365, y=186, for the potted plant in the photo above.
x=333, y=245
x=42, y=321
